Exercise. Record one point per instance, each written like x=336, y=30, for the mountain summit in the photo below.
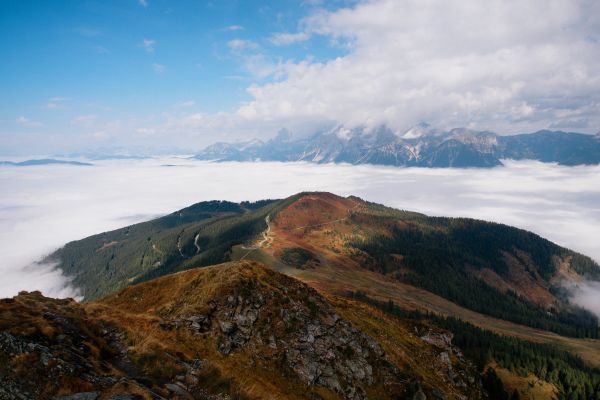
x=315, y=296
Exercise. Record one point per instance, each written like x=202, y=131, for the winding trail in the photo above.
x=179, y=247
x=267, y=238
x=196, y=238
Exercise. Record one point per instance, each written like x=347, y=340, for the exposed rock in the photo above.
x=301, y=329
x=272, y=326
x=125, y=396
x=50, y=346
x=81, y=396
x=441, y=340
x=177, y=389
x=419, y=395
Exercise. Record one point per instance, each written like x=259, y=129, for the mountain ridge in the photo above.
x=420, y=146
x=490, y=268
x=231, y=331
x=320, y=297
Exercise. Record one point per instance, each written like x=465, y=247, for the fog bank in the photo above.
x=41, y=208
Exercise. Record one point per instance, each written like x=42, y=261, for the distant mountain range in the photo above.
x=45, y=161
x=421, y=146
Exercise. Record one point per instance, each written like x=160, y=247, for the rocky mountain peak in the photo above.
x=420, y=130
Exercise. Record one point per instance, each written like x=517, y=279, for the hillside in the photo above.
x=421, y=146
x=489, y=268
x=45, y=161
x=237, y=330
x=199, y=235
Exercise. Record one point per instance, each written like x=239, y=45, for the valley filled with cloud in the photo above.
x=41, y=208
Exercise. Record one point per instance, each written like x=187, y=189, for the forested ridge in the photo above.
x=434, y=253
x=574, y=379
x=439, y=251
x=199, y=235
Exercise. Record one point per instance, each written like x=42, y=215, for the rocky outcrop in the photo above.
x=296, y=326
x=50, y=349
x=447, y=356
x=205, y=334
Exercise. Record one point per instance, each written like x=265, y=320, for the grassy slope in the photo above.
x=325, y=225
x=50, y=347
x=110, y=261
x=142, y=310
x=529, y=387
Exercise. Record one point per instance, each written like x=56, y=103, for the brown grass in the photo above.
x=341, y=270
x=530, y=387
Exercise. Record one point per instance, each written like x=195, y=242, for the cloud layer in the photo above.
x=41, y=208
x=503, y=65
x=506, y=66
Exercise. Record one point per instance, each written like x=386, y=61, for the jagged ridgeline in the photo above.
x=486, y=267
x=232, y=331
x=421, y=146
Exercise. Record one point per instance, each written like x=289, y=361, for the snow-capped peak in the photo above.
x=342, y=132
x=420, y=130
x=251, y=143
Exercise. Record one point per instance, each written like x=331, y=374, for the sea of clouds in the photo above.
x=43, y=207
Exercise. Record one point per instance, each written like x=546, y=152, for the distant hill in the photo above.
x=421, y=146
x=320, y=297
x=490, y=268
x=45, y=161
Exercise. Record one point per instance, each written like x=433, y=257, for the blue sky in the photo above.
x=170, y=74
x=66, y=60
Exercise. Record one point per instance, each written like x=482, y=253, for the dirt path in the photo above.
x=267, y=238
x=196, y=238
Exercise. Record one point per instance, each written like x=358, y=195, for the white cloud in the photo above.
x=41, y=208
x=241, y=44
x=102, y=50
x=234, y=28
x=84, y=119
x=145, y=131
x=285, y=38
x=148, y=45
x=57, y=102
x=24, y=121
x=186, y=104
x=159, y=68
x=502, y=65
x=100, y=135
x=143, y=3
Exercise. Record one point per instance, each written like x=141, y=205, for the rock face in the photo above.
x=51, y=349
x=297, y=327
x=205, y=334
x=460, y=378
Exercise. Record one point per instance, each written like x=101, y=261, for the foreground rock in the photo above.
x=236, y=330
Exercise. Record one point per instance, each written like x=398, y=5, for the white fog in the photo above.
x=43, y=207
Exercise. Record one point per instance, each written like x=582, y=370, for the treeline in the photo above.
x=574, y=379
x=438, y=251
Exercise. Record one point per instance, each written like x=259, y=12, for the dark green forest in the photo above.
x=572, y=377
x=438, y=252
x=200, y=235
